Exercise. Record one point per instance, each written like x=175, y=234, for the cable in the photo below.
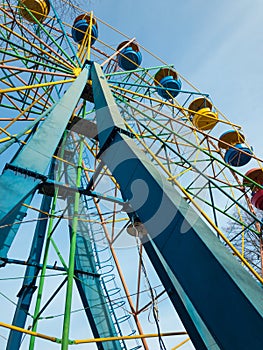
x=152, y=291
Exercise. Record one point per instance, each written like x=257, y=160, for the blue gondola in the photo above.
x=167, y=82
x=130, y=56
x=81, y=26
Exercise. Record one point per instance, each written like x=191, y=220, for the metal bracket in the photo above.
x=48, y=188
x=49, y=267
x=115, y=130
x=25, y=172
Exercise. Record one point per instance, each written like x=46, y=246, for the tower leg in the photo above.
x=21, y=178
x=29, y=284
x=191, y=261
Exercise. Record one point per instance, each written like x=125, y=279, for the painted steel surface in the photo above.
x=189, y=259
x=31, y=274
x=32, y=162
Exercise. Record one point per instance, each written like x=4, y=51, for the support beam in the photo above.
x=40, y=266
x=35, y=156
x=31, y=274
x=48, y=187
x=224, y=304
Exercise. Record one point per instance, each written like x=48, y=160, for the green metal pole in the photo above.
x=43, y=272
x=45, y=259
x=71, y=265
x=59, y=254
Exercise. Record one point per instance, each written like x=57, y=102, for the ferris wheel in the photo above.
x=124, y=191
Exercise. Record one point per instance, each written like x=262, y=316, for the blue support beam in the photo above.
x=20, y=180
x=8, y=230
x=31, y=274
x=224, y=304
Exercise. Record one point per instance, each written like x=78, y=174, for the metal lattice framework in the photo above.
x=58, y=159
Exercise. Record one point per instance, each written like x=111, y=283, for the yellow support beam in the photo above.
x=26, y=331
x=180, y=108
x=90, y=340
x=28, y=87
x=85, y=46
x=9, y=137
x=128, y=337
x=182, y=343
x=12, y=121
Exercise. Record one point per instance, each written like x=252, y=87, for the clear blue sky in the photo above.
x=216, y=44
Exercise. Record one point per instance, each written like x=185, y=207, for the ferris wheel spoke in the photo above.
x=48, y=47
x=35, y=50
x=19, y=88
x=27, y=59
x=198, y=174
x=34, y=105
